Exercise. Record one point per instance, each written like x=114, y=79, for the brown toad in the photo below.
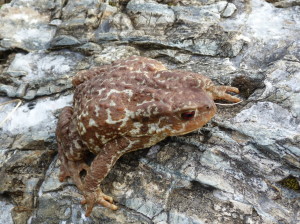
x=128, y=105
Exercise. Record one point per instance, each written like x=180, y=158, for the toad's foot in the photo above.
x=73, y=169
x=221, y=93
x=97, y=196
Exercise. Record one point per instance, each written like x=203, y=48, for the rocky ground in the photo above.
x=242, y=167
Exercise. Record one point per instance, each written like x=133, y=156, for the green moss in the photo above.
x=113, y=3
x=291, y=183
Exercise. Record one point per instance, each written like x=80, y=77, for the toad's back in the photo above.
x=135, y=100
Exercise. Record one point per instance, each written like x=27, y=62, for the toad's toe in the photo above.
x=97, y=197
x=74, y=170
x=221, y=93
x=64, y=173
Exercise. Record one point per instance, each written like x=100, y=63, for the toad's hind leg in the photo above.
x=71, y=150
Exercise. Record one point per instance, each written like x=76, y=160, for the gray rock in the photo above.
x=37, y=117
x=229, y=45
x=24, y=156
x=195, y=15
x=55, y=22
x=89, y=48
x=121, y=23
x=278, y=129
x=195, y=31
x=71, y=25
x=229, y=10
x=39, y=74
x=282, y=84
x=112, y=53
x=286, y=3
x=149, y=14
x=242, y=167
x=174, y=55
x=5, y=209
x=63, y=41
x=9, y=91
x=78, y=9
x=147, y=23
x=19, y=26
x=21, y=90
x=100, y=18
x=42, y=6
x=21, y=173
x=201, y=15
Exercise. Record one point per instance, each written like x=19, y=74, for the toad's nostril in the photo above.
x=208, y=107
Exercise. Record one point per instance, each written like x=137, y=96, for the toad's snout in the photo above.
x=207, y=105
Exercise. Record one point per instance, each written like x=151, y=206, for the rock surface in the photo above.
x=243, y=167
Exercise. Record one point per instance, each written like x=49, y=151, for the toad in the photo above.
x=129, y=105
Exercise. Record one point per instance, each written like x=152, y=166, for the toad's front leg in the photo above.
x=221, y=93
x=72, y=155
x=100, y=167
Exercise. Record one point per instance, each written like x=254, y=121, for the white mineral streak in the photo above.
x=28, y=29
x=24, y=119
x=5, y=211
x=264, y=21
x=37, y=66
x=275, y=123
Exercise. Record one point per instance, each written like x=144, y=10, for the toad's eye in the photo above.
x=188, y=115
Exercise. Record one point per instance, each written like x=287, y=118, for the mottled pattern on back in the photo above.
x=136, y=96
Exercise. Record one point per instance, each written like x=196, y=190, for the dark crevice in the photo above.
x=4, y=56
x=89, y=158
x=5, y=196
x=65, y=3
x=247, y=85
x=82, y=174
x=145, y=46
x=196, y=185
